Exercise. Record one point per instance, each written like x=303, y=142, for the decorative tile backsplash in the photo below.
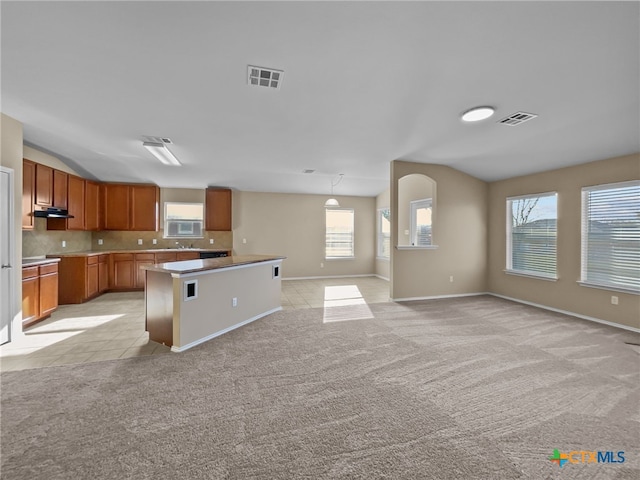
x=40, y=241
x=120, y=240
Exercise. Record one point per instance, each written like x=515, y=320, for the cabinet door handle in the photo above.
x=6, y=266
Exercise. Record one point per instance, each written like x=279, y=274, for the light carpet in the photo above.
x=467, y=388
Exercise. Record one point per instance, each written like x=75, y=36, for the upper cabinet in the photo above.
x=218, y=209
x=92, y=215
x=28, y=193
x=76, y=203
x=60, y=189
x=130, y=207
x=144, y=207
x=44, y=185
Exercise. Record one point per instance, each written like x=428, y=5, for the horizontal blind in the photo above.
x=532, y=235
x=339, y=233
x=611, y=235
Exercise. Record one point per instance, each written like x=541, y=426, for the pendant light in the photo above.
x=332, y=202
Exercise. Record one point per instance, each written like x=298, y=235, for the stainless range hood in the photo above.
x=52, y=212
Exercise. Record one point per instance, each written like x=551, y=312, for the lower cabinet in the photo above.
x=143, y=259
x=103, y=273
x=81, y=276
x=122, y=271
x=39, y=292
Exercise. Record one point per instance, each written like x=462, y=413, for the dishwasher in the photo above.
x=213, y=254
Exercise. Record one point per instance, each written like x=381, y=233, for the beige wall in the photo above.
x=564, y=294
x=46, y=159
x=459, y=230
x=383, y=266
x=293, y=225
x=11, y=157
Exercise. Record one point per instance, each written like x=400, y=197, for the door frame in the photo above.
x=10, y=238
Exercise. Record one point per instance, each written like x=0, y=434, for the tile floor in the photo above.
x=112, y=325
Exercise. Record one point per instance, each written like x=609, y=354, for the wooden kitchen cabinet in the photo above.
x=122, y=271
x=218, y=209
x=81, y=278
x=91, y=205
x=60, y=189
x=116, y=202
x=103, y=273
x=187, y=256
x=76, y=203
x=142, y=259
x=163, y=257
x=28, y=193
x=44, y=185
x=30, y=295
x=130, y=207
x=39, y=292
x=144, y=207
x=48, y=288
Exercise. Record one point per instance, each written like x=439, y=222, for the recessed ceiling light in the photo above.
x=477, y=113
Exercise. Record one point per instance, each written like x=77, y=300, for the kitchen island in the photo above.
x=190, y=302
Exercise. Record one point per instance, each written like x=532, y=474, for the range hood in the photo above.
x=52, y=212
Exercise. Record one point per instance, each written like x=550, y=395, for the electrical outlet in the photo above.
x=139, y=241
x=100, y=241
x=321, y=265
x=614, y=300
x=154, y=241
x=244, y=240
x=211, y=241
x=451, y=278
x=64, y=244
x=234, y=302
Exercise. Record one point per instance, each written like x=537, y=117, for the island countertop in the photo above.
x=193, y=266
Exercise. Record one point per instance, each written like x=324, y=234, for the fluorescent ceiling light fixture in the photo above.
x=477, y=113
x=162, y=153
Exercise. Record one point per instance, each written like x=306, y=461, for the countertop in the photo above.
x=191, y=266
x=32, y=262
x=89, y=253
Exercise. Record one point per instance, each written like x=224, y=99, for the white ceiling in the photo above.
x=365, y=83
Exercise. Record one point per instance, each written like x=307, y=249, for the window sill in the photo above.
x=329, y=259
x=531, y=275
x=609, y=287
x=416, y=247
x=385, y=259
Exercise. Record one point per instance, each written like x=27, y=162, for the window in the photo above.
x=183, y=220
x=420, y=222
x=531, y=234
x=611, y=236
x=384, y=233
x=339, y=233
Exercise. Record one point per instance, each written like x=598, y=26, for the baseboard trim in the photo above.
x=329, y=276
x=435, y=297
x=174, y=348
x=382, y=278
x=566, y=312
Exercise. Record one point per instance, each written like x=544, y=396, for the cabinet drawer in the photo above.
x=29, y=272
x=145, y=256
x=165, y=257
x=122, y=257
x=92, y=260
x=103, y=258
x=47, y=269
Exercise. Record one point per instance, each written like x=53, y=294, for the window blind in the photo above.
x=339, y=233
x=611, y=235
x=532, y=235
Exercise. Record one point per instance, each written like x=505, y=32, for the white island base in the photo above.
x=190, y=302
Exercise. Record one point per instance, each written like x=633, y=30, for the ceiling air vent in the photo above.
x=264, y=77
x=517, y=118
x=308, y=170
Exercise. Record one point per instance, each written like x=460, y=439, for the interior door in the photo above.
x=6, y=254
